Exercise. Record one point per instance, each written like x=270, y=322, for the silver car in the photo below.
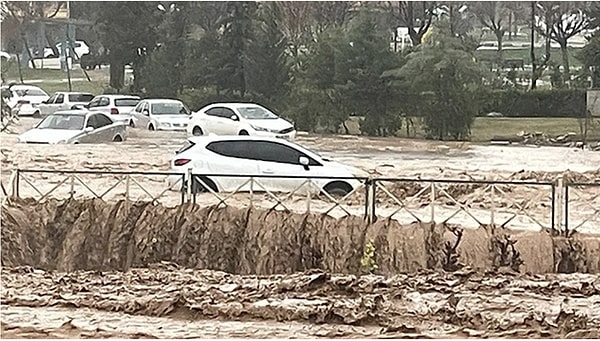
x=161, y=114
x=75, y=126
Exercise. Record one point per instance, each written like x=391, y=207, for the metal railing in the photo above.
x=479, y=203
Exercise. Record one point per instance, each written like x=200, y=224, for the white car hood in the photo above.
x=278, y=124
x=48, y=135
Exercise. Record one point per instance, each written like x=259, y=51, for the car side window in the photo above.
x=51, y=99
x=146, y=107
x=227, y=113
x=103, y=102
x=214, y=112
x=138, y=108
x=91, y=122
x=237, y=149
x=94, y=103
x=60, y=99
x=276, y=152
x=260, y=151
x=102, y=120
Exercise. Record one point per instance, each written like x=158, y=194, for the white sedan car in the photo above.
x=239, y=119
x=160, y=114
x=75, y=126
x=252, y=155
x=118, y=107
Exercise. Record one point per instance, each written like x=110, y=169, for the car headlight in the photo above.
x=259, y=128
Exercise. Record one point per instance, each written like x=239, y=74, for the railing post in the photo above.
x=558, y=204
x=251, y=191
x=567, y=210
x=13, y=184
x=553, y=223
x=72, y=186
x=493, y=205
x=16, y=184
x=127, y=180
x=373, y=200
x=181, y=190
x=432, y=196
x=189, y=183
x=308, y=196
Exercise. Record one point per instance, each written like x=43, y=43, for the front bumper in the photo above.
x=291, y=136
x=172, y=127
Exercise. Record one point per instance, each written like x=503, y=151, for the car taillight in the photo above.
x=114, y=111
x=181, y=162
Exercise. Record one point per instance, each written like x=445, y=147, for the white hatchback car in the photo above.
x=22, y=95
x=262, y=156
x=239, y=119
x=160, y=114
x=119, y=107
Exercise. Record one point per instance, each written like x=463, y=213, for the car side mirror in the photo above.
x=78, y=107
x=234, y=118
x=88, y=129
x=303, y=160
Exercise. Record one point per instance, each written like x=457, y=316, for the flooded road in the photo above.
x=167, y=301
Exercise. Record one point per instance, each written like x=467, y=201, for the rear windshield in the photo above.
x=30, y=92
x=80, y=97
x=126, y=102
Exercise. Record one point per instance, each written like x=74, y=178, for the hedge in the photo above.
x=538, y=103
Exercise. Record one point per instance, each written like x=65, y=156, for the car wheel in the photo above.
x=243, y=132
x=151, y=127
x=118, y=138
x=37, y=114
x=197, y=131
x=198, y=187
x=338, y=188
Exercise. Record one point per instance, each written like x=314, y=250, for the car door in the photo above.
x=45, y=108
x=231, y=157
x=60, y=103
x=209, y=122
x=228, y=125
x=100, y=104
x=141, y=120
x=277, y=159
x=105, y=128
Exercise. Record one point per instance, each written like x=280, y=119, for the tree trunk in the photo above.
x=117, y=74
x=532, y=48
x=565, y=58
x=499, y=34
x=510, y=16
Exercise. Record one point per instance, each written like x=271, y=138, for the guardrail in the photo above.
x=468, y=203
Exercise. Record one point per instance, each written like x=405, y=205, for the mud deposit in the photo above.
x=95, y=235
x=460, y=304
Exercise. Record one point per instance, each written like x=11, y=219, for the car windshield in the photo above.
x=30, y=92
x=126, y=102
x=80, y=97
x=66, y=122
x=256, y=113
x=169, y=109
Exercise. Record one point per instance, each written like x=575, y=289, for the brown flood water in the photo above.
x=165, y=300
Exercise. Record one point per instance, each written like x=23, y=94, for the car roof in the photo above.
x=120, y=96
x=235, y=104
x=205, y=139
x=73, y=112
x=23, y=86
x=74, y=93
x=162, y=100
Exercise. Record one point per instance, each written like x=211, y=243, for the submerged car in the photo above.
x=251, y=156
x=58, y=101
x=160, y=114
x=119, y=107
x=75, y=126
x=239, y=119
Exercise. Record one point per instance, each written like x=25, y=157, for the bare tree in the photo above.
x=562, y=21
x=416, y=16
x=491, y=14
x=537, y=67
x=25, y=13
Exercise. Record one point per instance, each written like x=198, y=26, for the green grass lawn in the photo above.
x=555, y=55
x=485, y=128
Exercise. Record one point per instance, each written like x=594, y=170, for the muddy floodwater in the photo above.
x=164, y=300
